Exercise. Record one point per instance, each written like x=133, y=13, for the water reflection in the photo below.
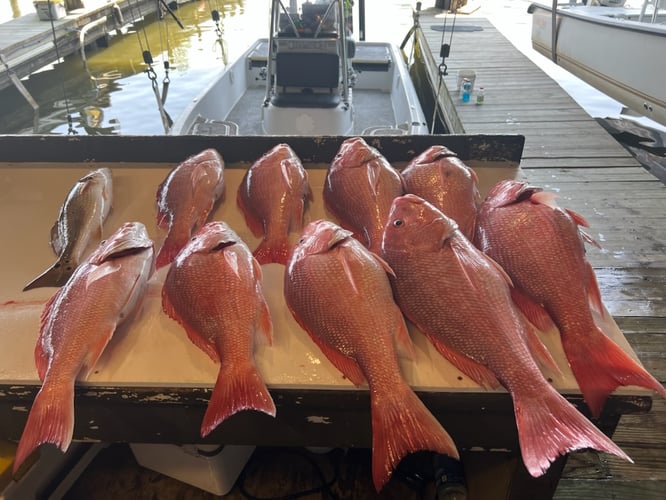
x=115, y=82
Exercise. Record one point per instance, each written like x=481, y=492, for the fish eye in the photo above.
x=397, y=223
x=300, y=241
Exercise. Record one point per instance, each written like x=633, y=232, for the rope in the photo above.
x=442, y=68
x=70, y=128
x=215, y=15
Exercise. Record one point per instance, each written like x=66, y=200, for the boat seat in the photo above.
x=305, y=79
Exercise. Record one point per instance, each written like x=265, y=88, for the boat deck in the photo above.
x=566, y=151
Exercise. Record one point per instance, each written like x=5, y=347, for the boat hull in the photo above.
x=622, y=58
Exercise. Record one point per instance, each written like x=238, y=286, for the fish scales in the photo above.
x=214, y=290
x=273, y=197
x=557, y=283
x=79, y=224
x=76, y=325
x=339, y=292
x=359, y=187
x=440, y=177
x=186, y=198
x=462, y=301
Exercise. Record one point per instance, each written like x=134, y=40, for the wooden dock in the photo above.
x=27, y=43
x=568, y=152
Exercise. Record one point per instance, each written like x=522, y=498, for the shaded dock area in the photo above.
x=28, y=43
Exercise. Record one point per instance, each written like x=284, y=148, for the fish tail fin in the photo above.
x=238, y=387
x=272, y=251
x=56, y=275
x=568, y=430
x=602, y=367
x=401, y=424
x=51, y=420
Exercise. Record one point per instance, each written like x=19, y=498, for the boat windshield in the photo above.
x=312, y=19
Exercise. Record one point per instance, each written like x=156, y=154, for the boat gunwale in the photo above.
x=584, y=14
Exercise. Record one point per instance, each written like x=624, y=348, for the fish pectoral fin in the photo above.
x=539, y=351
x=593, y=293
x=264, y=326
x=404, y=345
x=349, y=368
x=533, y=311
x=95, y=352
x=473, y=369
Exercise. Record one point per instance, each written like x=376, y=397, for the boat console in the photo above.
x=307, y=84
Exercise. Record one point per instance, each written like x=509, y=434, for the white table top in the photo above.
x=151, y=350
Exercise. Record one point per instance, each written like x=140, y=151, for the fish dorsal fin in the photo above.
x=587, y=238
x=578, y=218
x=544, y=198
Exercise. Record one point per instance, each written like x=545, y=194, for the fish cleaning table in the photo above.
x=152, y=385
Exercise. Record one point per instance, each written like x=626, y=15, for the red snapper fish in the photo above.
x=437, y=175
x=214, y=290
x=77, y=324
x=461, y=300
x=360, y=185
x=80, y=220
x=186, y=198
x=339, y=293
x=273, y=196
x=552, y=273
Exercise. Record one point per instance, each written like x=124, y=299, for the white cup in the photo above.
x=470, y=74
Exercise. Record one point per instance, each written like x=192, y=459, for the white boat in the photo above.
x=620, y=51
x=309, y=77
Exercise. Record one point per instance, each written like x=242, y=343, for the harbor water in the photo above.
x=115, y=96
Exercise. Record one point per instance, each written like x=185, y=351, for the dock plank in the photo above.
x=568, y=152
x=28, y=44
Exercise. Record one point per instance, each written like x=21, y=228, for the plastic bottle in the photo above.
x=480, y=95
x=466, y=90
